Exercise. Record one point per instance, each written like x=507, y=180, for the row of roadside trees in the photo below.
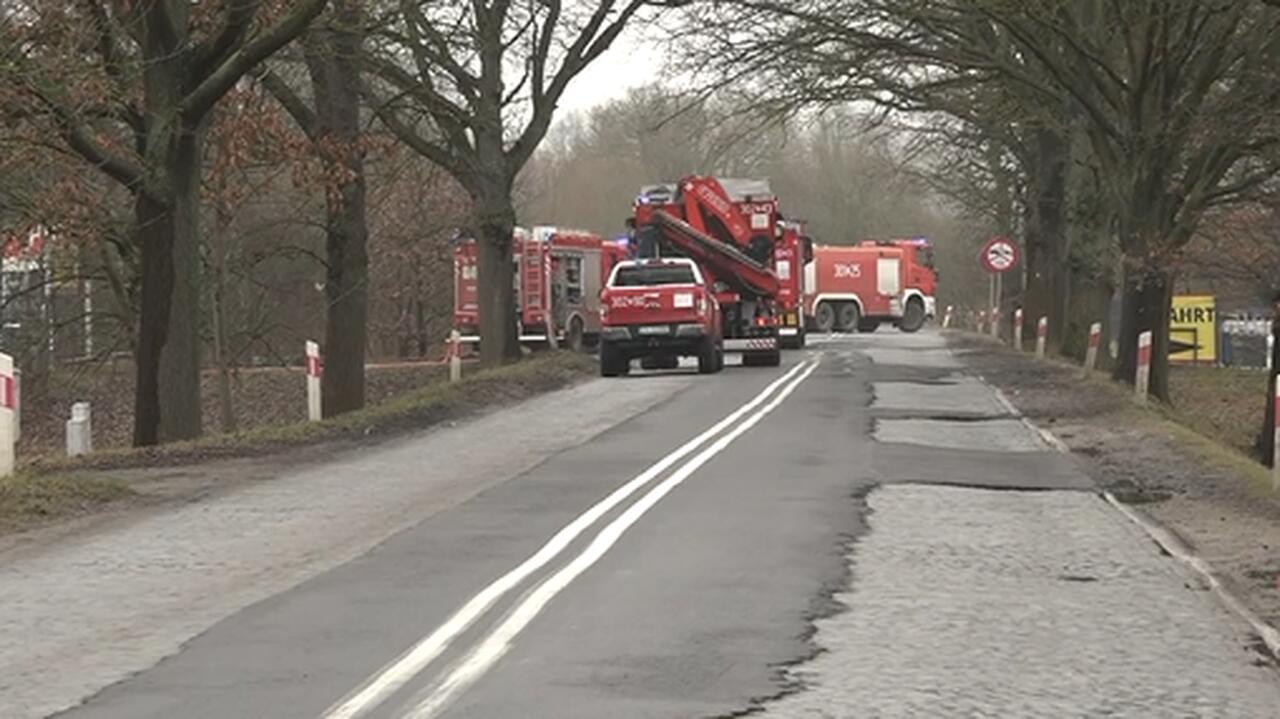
x=131, y=90
x=1105, y=135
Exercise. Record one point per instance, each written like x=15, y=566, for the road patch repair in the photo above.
x=1080, y=613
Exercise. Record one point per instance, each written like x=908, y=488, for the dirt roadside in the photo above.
x=1215, y=499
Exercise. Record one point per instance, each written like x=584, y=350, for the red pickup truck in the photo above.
x=659, y=311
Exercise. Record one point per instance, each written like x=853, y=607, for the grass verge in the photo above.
x=28, y=499
x=422, y=408
x=1221, y=403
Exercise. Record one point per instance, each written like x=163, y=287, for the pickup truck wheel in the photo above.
x=913, y=318
x=848, y=317
x=707, y=353
x=612, y=362
x=824, y=318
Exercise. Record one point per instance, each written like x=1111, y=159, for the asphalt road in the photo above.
x=863, y=531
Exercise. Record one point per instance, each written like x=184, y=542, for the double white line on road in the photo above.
x=395, y=675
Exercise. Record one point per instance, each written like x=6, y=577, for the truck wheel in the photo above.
x=848, y=316
x=824, y=318
x=613, y=363
x=574, y=336
x=913, y=318
x=868, y=325
x=707, y=356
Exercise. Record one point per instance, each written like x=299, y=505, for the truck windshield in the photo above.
x=649, y=275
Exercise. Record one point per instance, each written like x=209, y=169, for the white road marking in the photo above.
x=494, y=646
x=392, y=677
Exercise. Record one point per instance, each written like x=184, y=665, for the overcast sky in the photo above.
x=628, y=63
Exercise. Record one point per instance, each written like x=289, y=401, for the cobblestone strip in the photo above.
x=970, y=602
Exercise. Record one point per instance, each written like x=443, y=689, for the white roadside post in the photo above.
x=8, y=400
x=455, y=356
x=80, y=430
x=1142, y=379
x=1017, y=329
x=1271, y=348
x=1095, y=341
x=314, y=369
x=17, y=405
x=1042, y=336
x=946, y=318
x=1275, y=439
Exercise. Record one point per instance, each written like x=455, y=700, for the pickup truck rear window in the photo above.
x=649, y=275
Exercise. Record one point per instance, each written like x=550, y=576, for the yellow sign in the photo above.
x=1193, y=329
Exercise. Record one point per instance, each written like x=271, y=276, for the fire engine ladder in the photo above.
x=727, y=261
x=535, y=288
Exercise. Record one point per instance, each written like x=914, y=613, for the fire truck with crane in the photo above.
x=859, y=287
x=558, y=277
x=750, y=257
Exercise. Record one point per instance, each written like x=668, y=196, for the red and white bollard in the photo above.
x=455, y=356
x=1275, y=440
x=8, y=403
x=1095, y=341
x=1142, y=378
x=946, y=318
x=315, y=368
x=1017, y=329
x=1042, y=336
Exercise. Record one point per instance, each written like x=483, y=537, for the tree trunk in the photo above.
x=499, y=342
x=1046, y=235
x=1145, y=305
x=335, y=80
x=167, y=404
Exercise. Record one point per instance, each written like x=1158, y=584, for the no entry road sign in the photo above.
x=999, y=255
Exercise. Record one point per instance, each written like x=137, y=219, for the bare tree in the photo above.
x=332, y=53
x=127, y=87
x=473, y=88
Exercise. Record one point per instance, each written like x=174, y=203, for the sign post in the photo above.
x=1042, y=336
x=946, y=318
x=998, y=256
x=1017, y=329
x=1095, y=341
x=314, y=369
x=1142, y=380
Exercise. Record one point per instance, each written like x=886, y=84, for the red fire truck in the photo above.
x=558, y=277
x=748, y=254
x=859, y=287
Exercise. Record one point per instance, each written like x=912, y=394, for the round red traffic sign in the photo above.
x=1000, y=254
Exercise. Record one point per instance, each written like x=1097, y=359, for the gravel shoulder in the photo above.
x=1215, y=498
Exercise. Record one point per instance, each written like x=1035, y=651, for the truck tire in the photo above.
x=866, y=325
x=708, y=356
x=848, y=316
x=824, y=317
x=913, y=317
x=613, y=363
